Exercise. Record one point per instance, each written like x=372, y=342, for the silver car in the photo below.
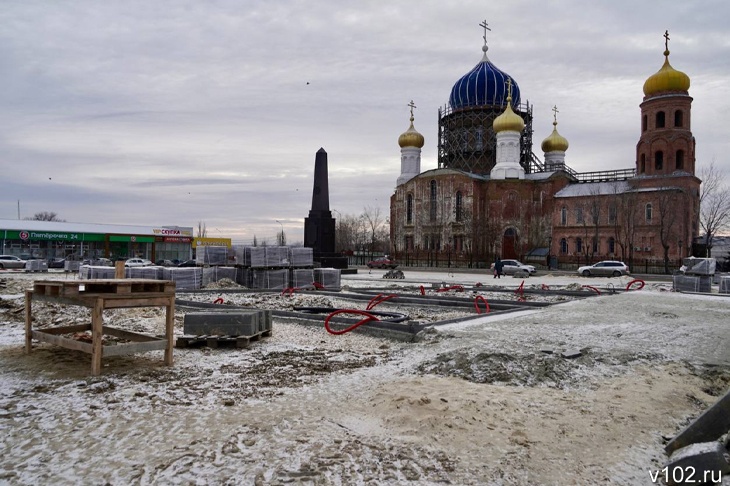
x=607, y=268
x=510, y=267
x=11, y=261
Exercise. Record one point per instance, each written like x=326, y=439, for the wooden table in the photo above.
x=99, y=295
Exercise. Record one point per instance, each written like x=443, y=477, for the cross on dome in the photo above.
x=412, y=105
x=486, y=28
x=555, y=114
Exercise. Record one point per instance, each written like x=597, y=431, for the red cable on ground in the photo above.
x=592, y=288
x=378, y=299
x=458, y=288
x=219, y=300
x=520, y=290
x=478, y=284
x=317, y=285
x=545, y=287
x=628, y=287
x=423, y=290
x=476, y=304
x=290, y=290
x=368, y=317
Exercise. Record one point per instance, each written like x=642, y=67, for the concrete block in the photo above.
x=224, y=323
x=704, y=461
x=713, y=422
x=571, y=353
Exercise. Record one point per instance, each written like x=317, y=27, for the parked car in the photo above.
x=11, y=261
x=188, y=263
x=137, y=262
x=607, y=268
x=56, y=262
x=383, y=262
x=165, y=263
x=512, y=266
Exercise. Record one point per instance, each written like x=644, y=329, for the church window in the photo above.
x=612, y=214
x=643, y=163
x=432, y=208
x=564, y=216
x=660, y=119
x=680, y=159
x=678, y=118
x=643, y=123
x=578, y=244
x=611, y=245
x=579, y=215
x=409, y=243
x=459, y=206
x=409, y=209
x=563, y=246
x=649, y=212
x=659, y=160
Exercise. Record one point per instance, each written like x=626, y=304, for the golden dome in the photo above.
x=508, y=120
x=555, y=142
x=667, y=79
x=411, y=138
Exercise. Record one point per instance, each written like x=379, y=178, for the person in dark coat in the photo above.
x=498, y=266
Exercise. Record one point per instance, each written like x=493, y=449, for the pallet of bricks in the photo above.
x=219, y=328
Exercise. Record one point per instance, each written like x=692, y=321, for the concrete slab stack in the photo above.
x=685, y=283
x=212, y=255
x=257, y=256
x=71, y=266
x=36, y=266
x=270, y=279
x=228, y=322
x=96, y=272
x=328, y=277
x=277, y=256
x=725, y=284
x=302, y=257
x=186, y=278
x=301, y=277
x=214, y=274
x=154, y=272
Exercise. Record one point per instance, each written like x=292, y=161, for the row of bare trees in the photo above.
x=366, y=233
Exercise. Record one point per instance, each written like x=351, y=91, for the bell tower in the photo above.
x=666, y=145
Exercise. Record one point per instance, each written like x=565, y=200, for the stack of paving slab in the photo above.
x=301, y=276
x=277, y=256
x=301, y=256
x=36, y=266
x=237, y=322
x=89, y=272
x=214, y=274
x=185, y=278
x=269, y=279
x=685, y=283
x=71, y=266
x=151, y=272
x=725, y=284
x=212, y=255
x=330, y=278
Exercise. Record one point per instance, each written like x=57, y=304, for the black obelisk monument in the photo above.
x=319, y=227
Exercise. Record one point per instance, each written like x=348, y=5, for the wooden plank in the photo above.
x=708, y=427
x=97, y=323
x=170, y=329
x=66, y=329
x=64, y=342
x=28, y=320
x=142, y=347
x=132, y=336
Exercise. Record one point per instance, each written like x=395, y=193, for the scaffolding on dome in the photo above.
x=467, y=140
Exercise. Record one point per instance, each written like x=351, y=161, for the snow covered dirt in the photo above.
x=484, y=401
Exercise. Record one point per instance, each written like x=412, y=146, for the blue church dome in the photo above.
x=485, y=85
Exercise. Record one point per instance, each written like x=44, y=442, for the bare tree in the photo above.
x=374, y=220
x=627, y=208
x=714, y=204
x=46, y=216
x=202, y=230
x=668, y=200
x=281, y=238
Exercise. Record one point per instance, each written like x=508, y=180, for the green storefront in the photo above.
x=60, y=244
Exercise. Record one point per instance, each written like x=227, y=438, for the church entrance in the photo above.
x=509, y=241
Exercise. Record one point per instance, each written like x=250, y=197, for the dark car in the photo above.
x=382, y=263
x=188, y=263
x=165, y=263
x=56, y=262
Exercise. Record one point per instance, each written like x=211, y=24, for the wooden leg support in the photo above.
x=28, y=320
x=169, y=328
x=97, y=323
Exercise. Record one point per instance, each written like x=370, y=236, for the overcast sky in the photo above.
x=174, y=112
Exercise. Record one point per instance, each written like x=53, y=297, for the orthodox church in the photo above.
x=491, y=195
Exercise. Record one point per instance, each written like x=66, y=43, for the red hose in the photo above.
x=476, y=304
x=219, y=300
x=423, y=290
x=592, y=288
x=545, y=287
x=368, y=317
x=458, y=288
x=628, y=287
x=290, y=291
x=378, y=299
x=317, y=285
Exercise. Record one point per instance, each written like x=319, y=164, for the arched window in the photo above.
x=432, y=208
x=612, y=212
x=409, y=209
x=578, y=244
x=659, y=160
x=680, y=159
x=648, y=212
x=611, y=245
x=459, y=206
x=564, y=216
x=643, y=163
x=660, y=119
x=563, y=246
x=643, y=123
x=579, y=215
x=678, y=118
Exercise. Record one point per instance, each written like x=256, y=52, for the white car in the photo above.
x=11, y=261
x=138, y=262
x=607, y=268
x=512, y=266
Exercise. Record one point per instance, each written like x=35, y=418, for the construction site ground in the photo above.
x=473, y=399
